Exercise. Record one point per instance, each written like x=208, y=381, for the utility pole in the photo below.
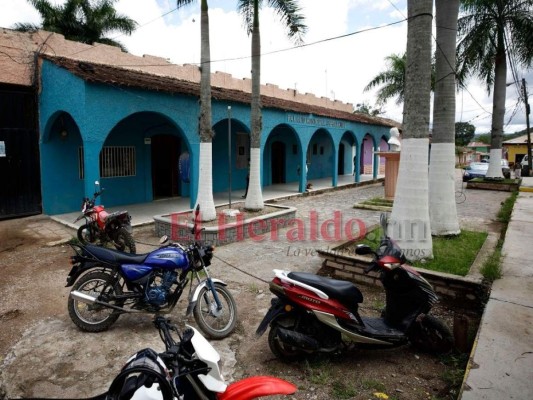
x=527, y=127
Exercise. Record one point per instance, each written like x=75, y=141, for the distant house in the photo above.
x=477, y=151
x=516, y=148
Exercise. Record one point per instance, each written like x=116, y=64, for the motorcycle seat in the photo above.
x=115, y=214
x=114, y=256
x=344, y=291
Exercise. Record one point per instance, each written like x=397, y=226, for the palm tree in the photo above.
x=288, y=11
x=410, y=214
x=81, y=21
x=392, y=79
x=493, y=32
x=442, y=207
x=204, y=196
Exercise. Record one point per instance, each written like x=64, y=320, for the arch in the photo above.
x=284, y=149
x=383, y=146
x=368, y=145
x=139, y=159
x=321, y=155
x=347, y=154
x=61, y=151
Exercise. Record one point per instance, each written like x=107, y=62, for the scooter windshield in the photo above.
x=389, y=247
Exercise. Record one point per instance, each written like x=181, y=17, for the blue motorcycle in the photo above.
x=108, y=283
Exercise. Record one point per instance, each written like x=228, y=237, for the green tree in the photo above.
x=410, y=214
x=365, y=108
x=82, y=21
x=442, y=207
x=289, y=13
x=464, y=133
x=493, y=33
x=392, y=80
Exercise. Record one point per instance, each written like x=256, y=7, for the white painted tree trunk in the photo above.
x=205, y=184
x=443, y=210
x=442, y=207
x=254, y=198
x=495, y=164
x=409, y=223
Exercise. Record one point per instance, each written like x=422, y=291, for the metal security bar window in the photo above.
x=81, y=163
x=117, y=161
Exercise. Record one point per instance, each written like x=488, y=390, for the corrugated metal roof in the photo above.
x=517, y=140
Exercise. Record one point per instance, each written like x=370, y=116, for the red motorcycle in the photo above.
x=313, y=314
x=102, y=228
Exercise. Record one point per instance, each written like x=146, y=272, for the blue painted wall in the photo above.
x=97, y=115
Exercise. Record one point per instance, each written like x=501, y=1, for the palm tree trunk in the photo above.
x=442, y=207
x=254, y=198
x=410, y=225
x=205, y=180
x=498, y=109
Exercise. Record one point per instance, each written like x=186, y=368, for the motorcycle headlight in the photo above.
x=208, y=255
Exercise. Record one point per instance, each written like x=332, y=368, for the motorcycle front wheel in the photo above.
x=86, y=235
x=95, y=317
x=217, y=324
x=124, y=241
x=431, y=335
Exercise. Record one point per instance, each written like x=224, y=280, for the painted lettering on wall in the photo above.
x=315, y=121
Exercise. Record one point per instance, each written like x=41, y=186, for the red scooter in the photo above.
x=314, y=314
x=101, y=227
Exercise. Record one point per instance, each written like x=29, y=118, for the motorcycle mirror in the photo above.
x=363, y=249
x=163, y=239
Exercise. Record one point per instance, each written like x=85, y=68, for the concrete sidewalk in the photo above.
x=501, y=362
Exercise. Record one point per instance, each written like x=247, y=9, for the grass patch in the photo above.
x=451, y=254
x=318, y=372
x=378, y=201
x=343, y=391
x=504, y=215
x=491, y=269
x=454, y=254
x=455, y=372
x=495, y=180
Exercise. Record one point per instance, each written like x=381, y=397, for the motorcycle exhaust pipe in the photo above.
x=297, y=339
x=85, y=298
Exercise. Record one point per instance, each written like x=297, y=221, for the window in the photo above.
x=115, y=162
x=81, y=170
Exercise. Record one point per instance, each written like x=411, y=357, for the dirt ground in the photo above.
x=42, y=353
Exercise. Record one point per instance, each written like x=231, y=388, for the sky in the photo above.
x=344, y=48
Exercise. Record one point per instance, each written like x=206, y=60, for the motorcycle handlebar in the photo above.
x=164, y=327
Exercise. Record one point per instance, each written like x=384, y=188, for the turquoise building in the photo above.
x=101, y=119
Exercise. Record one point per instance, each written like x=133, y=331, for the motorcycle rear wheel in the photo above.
x=94, y=317
x=124, y=241
x=214, y=323
x=431, y=335
x=281, y=350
